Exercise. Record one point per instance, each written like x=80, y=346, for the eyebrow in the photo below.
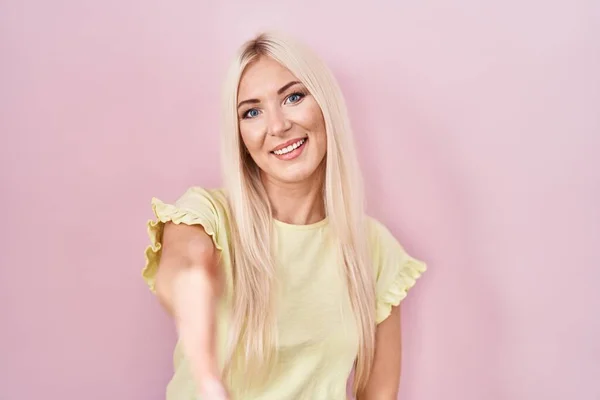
x=281, y=90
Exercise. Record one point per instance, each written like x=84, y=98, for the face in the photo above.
x=280, y=122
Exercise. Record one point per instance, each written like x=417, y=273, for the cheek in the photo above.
x=311, y=119
x=252, y=137
x=317, y=126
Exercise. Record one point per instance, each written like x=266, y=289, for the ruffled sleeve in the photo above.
x=196, y=206
x=396, y=271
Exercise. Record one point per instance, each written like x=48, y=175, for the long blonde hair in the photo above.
x=253, y=329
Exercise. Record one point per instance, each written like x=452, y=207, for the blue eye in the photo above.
x=294, y=98
x=251, y=113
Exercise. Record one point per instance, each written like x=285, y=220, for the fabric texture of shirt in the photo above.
x=317, y=332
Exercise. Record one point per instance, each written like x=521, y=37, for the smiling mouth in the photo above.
x=290, y=148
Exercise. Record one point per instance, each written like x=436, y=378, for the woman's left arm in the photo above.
x=385, y=376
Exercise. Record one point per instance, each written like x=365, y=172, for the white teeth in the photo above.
x=290, y=147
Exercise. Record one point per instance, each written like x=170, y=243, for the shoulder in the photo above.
x=385, y=247
x=197, y=198
x=196, y=206
x=379, y=235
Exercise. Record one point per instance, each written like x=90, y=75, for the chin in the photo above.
x=293, y=178
x=296, y=175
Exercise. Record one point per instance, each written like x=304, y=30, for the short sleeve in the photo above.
x=196, y=206
x=396, y=271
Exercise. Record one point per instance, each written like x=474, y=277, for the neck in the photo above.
x=298, y=203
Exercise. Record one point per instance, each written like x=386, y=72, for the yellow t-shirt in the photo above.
x=318, y=339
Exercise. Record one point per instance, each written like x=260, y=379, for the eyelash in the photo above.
x=300, y=93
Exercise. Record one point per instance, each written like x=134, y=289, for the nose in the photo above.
x=277, y=122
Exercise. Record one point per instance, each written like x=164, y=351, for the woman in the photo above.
x=279, y=284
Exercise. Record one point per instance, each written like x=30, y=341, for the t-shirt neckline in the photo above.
x=314, y=225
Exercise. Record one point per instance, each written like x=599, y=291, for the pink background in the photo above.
x=478, y=125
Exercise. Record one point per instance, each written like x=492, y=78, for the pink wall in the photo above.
x=478, y=126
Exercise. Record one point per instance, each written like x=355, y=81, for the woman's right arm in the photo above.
x=188, y=285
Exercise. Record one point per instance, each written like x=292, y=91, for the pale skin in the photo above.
x=274, y=108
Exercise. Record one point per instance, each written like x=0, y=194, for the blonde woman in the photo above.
x=279, y=284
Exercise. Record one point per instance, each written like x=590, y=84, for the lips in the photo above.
x=291, y=151
x=289, y=146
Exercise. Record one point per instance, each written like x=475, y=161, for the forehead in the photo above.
x=263, y=77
